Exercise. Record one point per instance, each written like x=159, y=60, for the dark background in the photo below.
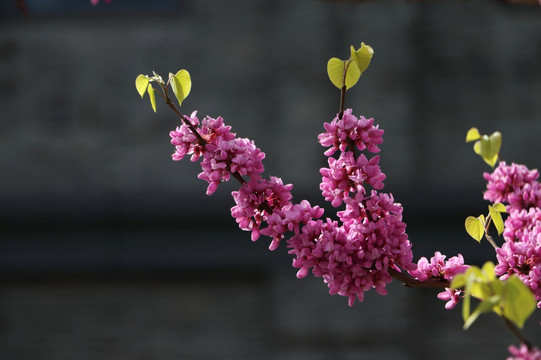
x=110, y=250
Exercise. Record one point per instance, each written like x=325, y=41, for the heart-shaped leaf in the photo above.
x=472, y=135
x=490, y=148
x=336, y=69
x=181, y=84
x=141, y=84
x=496, y=217
x=496, y=142
x=499, y=207
x=475, y=226
x=517, y=300
x=362, y=57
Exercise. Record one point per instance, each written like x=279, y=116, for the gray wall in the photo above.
x=111, y=250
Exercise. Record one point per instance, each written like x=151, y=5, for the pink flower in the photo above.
x=438, y=268
x=513, y=184
x=352, y=256
x=222, y=154
x=452, y=296
x=521, y=252
x=256, y=200
x=347, y=174
x=289, y=218
x=355, y=258
x=523, y=353
x=350, y=130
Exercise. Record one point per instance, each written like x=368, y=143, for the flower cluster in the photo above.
x=513, y=184
x=223, y=154
x=524, y=353
x=349, y=175
x=257, y=200
x=521, y=252
x=438, y=268
x=352, y=255
x=343, y=133
x=517, y=186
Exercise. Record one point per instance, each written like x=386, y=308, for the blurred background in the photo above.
x=110, y=250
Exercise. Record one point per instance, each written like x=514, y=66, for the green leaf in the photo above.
x=500, y=207
x=335, y=70
x=458, y=281
x=353, y=74
x=496, y=218
x=362, y=57
x=181, y=84
x=477, y=147
x=489, y=147
x=488, y=272
x=470, y=277
x=475, y=226
x=483, y=307
x=152, y=97
x=141, y=84
x=517, y=300
x=488, y=152
x=496, y=141
x=472, y=135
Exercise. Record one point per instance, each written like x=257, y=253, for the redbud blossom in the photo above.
x=523, y=353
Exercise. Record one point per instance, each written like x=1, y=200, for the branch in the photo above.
x=408, y=281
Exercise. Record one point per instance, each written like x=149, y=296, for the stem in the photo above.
x=487, y=236
x=491, y=241
x=408, y=281
x=512, y=327
x=342, y=100
x=200, y=139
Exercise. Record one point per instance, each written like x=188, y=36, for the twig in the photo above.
x=408, y=281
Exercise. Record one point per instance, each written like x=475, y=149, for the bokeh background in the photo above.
x=110, y=250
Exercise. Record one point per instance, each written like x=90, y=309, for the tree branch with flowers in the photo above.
x=367, y=246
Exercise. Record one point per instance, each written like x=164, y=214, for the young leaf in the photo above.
x=472, y=135
x=496, y=218
x=475, y=226
x=477, y=147
x=181, y=84
x=488, y=273
x=335, y=70
x=496, y=141
x=362, y=57
x=517, y=300
x=489, y=152
x=141, y=84
x=152, y=97
x=499, y=207
x=484, y=306
x=353, y=74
